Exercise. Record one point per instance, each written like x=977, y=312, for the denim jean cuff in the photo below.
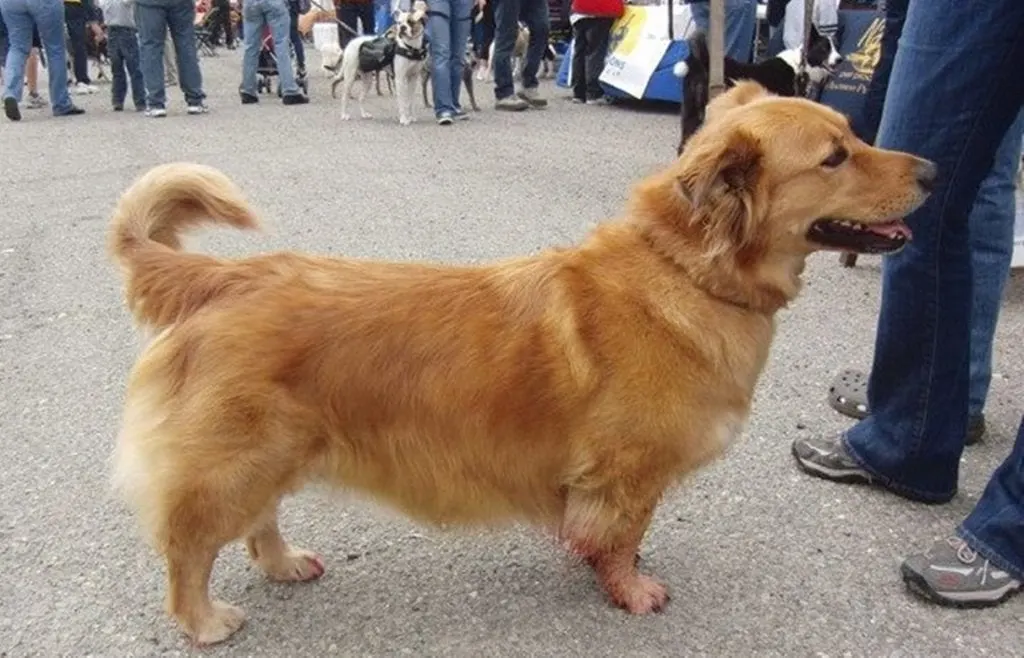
x=989, y=554
x=902, y=490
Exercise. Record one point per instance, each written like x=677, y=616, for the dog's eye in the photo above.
x=837, y=158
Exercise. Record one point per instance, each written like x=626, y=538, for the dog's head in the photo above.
x=822, y=52
x=410, y=25
x=767, y=180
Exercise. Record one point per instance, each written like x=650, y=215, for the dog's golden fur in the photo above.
x=568, y=389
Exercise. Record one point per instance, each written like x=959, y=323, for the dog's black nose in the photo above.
x=927, y=172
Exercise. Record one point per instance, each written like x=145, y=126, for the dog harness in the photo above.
x=415, y=54
x=376, y=54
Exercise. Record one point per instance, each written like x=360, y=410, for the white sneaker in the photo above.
x=156, y=112
x=198, y=109
x=82, y=89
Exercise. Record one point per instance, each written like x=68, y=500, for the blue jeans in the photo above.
x=295, y=36
x=48, y=18
x=448, y=27
x=991, y=226
x=257, y=14
x=995, y=527
x=123, y=49
x=991, y=220
x=740, y=23
x=154, y=18
x=956, y=90
x=507, y=14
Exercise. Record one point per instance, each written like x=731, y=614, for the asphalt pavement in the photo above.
x=761, y=560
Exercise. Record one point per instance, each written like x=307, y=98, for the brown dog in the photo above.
x=568, y=389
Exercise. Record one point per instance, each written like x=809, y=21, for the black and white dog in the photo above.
x=776, y=74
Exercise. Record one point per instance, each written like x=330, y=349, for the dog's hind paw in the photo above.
x=366, y=115
x=295, y=566
x=346, y=117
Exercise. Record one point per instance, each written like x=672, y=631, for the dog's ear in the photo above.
x=419, y=10
x=719, y=178
x=745, y=91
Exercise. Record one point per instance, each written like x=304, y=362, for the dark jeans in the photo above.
x=123, y=49
x=507, y=14
x=300, y=49
x=995, y=528
x=956, y=89
x=865, y=123
x=589, y=48
x=350, y=13
x=75, y=18
x=483, y=31
x=222, y=23
x=154, y=18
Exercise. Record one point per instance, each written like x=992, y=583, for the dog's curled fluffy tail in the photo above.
x=162, y=284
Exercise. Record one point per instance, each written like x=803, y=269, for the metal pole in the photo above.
x=716, y=48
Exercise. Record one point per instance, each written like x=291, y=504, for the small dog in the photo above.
x=518, y=54
x=569, y=389
x=467, y=78
x=365, y=56
x=777, y=74
x=547, y=63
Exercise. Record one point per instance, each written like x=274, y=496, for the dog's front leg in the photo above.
x=403, y=94
x=605, y=528
x=425, y=78
x=467, y=79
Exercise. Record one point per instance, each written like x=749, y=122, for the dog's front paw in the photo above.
x=219, y=625
x=405, y=121
x=366, y=115
x=639, y=594
x=346, y=117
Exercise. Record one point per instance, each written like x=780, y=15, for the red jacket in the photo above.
x=604, y=8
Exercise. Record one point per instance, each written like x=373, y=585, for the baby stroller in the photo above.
x=266, y=69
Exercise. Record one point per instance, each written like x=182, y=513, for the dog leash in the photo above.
x=337, y=20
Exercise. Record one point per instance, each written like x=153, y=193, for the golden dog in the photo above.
x=568, y=389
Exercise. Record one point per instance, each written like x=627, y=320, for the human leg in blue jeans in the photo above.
x=956, y=89
x=123, y=48
x=740, y=23
x=154, y=18
x=257, y=14
x=448, y=25
x=507, y=14
x=48, y=18
x=991, y=226
x=296, y=38
x=75, y=18
x=181, y=21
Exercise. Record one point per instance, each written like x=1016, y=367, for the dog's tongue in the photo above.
x=893, y=230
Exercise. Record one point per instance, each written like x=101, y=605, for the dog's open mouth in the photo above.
x=880, y=238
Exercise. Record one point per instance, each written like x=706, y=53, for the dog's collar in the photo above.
x=415, y=54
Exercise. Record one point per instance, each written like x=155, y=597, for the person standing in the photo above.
x=355, y=17
x=257, y=14
x=448, y=26
x=740, y=24
x=123, y=48
x=20, y=16
x=78, y=16
x=154, y=18
x=591, y=26
x=507, y=15
x=955, y=92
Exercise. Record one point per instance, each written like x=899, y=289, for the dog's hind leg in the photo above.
x=605, y=528
x=276, y=558
x=189, y=564
x=467, y=79
x=364, y=92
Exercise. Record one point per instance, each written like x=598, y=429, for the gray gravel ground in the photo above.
x=761, y=560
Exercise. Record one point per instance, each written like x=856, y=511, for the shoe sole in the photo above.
x=916, y=583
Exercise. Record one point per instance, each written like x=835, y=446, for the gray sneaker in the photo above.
x=532, y=96
x=826, y=457
x=511, y=104
x=951, y=573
